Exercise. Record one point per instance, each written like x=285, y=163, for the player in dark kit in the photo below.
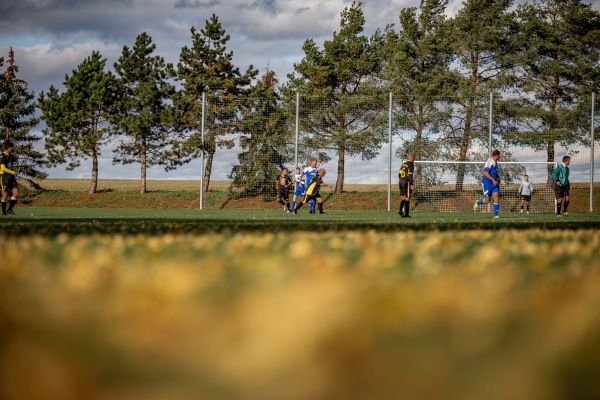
x=9, y=180
x=312, y=192
x=405, y=183
x=283, y=189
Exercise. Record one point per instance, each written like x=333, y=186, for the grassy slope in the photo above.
x=184, y=195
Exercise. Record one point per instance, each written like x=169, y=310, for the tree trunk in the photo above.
x=94, y=183
x=339, y=183
x=464, y=147
x=419, y=140
x=210, y=148
x=552, y=125
x=143, y=167
x=551, y=155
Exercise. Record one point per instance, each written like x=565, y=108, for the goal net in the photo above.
x=455, y=186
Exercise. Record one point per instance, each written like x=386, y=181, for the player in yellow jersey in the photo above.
x=406, y=184
x=9, y=178
x=312, y=192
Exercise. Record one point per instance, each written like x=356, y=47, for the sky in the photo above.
x=51, y=37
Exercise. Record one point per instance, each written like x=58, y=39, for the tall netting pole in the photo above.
x=390, y=155
x=491, y=124
x=592, y=155
x=202, y=154
x=297, y=129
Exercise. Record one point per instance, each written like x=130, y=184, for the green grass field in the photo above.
x=53, y=220
x=162, y=303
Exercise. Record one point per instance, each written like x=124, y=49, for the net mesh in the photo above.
x=362, y=141
x=436, y=186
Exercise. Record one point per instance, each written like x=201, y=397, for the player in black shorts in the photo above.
x=405, y=184
x=283, y=189
x=312, y=192
x=562, y=185
x=9, y=178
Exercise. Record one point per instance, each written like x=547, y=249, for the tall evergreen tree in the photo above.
x=78, y=120
x=141, y=114
x=417, y=70
x=17, y=109
x=559, y=65
x=207, y=67
x=483, y=37
x=263, y=130
x=340, y=111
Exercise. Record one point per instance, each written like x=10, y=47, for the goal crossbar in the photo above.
x=483, y=162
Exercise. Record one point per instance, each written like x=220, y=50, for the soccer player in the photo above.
x=405, y=183
x=312, y=192
x=308, y=174
x=298, y=187
x=283, y=189
x=525, y=191
x=9, y=180
x=560, y=175
x=490, y=183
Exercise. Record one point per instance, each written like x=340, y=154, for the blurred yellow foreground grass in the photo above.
x=357, y=315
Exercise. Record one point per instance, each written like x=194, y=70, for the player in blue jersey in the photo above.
x=298, y=187
x=490, y=183
x=307, y=175
x=312, y=191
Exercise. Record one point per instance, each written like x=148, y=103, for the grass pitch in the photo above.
x=55, y=220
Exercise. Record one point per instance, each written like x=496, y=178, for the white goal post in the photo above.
x=439, y=187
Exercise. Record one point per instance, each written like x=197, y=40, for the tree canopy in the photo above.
x=78, y=120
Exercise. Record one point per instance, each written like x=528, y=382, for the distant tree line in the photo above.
x=543, y=57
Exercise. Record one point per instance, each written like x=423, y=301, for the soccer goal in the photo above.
x=455, y=185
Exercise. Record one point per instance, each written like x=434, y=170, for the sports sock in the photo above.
x=293, y=205
x=480, y=202
x=522, y=207
x=406, y=207
x=4, y=207
x=527, y=207
x=402, y=206
x=320, y=205
x=496, y=208
x=558, y=205
x=566, y=205
x=298, y=206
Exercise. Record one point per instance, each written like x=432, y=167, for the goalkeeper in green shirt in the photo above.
x=560, y=175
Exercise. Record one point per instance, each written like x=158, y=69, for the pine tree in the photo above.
x=559, y=65
x=207, y=67
x=141, y=114
x=263, y=130
x=78, y=120
x=17, y=109
x=417, y=70
x=344, y=119
x=482, y=35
